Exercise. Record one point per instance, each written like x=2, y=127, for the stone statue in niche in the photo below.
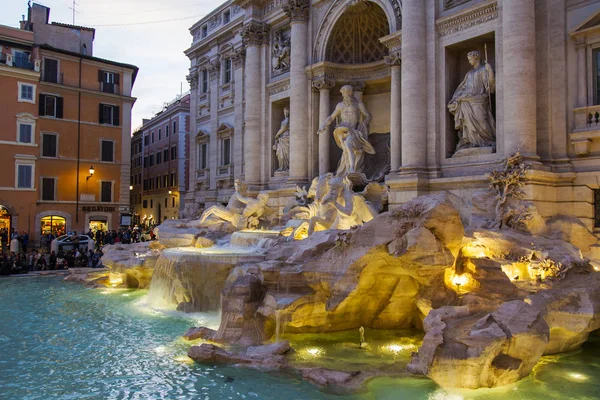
x=351, y=133
x=282, y=143
x=280, y=54
x=471, y=106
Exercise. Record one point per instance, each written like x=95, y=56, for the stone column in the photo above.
x=414, y=87
x=582, y=99
x=192, y=78
x=254, y=35
x=393, y=60
x=214, y=161
x=237, y=58
x=519, y=89
x=297, y=11
x=324, y=87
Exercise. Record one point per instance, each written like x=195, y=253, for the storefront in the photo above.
x=54, y=224
x=98, y=223
x=4, y=218
x=99, y=218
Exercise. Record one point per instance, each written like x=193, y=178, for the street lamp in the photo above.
x=170, y=192
x=91, y=173
x=130, y=187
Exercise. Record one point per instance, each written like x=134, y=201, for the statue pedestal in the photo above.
x=474, y=151
x=278, y=174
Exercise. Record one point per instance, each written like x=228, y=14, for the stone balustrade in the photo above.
x=587, y=129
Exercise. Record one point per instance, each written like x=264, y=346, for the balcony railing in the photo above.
x=109, y=88
x=19, y=61
x=51, y=78
x=587, y=129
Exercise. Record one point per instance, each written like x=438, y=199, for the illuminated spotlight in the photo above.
x=395, y=348
x=577, y=376
x=314, y=351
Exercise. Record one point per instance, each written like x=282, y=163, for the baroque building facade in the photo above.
x=452, y=87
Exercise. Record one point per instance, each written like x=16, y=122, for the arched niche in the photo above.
x=391, y=9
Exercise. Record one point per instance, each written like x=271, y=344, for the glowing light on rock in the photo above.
x=184, y=359
x=115, y=279
x=474, y=250
x=460, y=280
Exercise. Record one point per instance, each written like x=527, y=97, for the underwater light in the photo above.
x=395, y=348
x=460, y=280
x=314, y=351
x=577, y=376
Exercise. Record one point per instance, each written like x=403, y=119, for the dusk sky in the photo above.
x=136, y=37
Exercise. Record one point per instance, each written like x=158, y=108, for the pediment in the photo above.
x=225, y=127
x=591, y=23
x=202, y=134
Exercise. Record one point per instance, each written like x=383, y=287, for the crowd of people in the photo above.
x=17, y=257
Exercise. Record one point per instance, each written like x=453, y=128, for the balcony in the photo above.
x=19, y=61
x=109, y=88
x=586, y=135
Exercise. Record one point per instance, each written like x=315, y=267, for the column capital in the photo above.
x=321, y=83
x=393, y=59
x=237, y=57
x=255, y=33
x=297, y=10
x=192, y=79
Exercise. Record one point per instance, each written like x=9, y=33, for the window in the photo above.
x=145, y=204
x=227, y=71
x=596, y=61
x=203, y=153
x=204, y=83
x=48, y=189
x=49, y=145
x=146, y=184
x=145, y=161
x=157, y=182
x=166, y=181
x=145, y=141
x=107, y=151
x=159, y=134
x=26, y=93
x=50, y=73
x=106, y=191
x=174, y=126
x=167, y=130
x=173, y=179
x=226, y=151
x=173, y=202
x=152, y=137
x=108, y=81
x=51, y=106
x=25, y=133
x=24, y=176
x=158, y=158
x=151, y=203
x=226, y=17
x=173, y=153
x=166, y=204
x=109, y=114
x=53, y=223
x=151, y=160
x=166, y=155
x=204, y=31
x=21, y=60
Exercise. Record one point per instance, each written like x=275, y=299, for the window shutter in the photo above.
x=101, y=113
x=100, y=75
x=53, y=149
x=42, y=104
x=117, y=79
x=59, y=107
x=116, y=115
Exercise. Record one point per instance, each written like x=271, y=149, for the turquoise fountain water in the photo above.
x=63, y=341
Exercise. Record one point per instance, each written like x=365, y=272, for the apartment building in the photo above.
x=71, y=149
x=165, y=149
x=135, y=181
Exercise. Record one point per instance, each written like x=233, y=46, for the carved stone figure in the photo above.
x=282, y=142
x=470, y=105
x=280, y=54
x=230, y=213
x=351, y=133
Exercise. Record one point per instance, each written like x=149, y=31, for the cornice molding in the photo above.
x=467, y=18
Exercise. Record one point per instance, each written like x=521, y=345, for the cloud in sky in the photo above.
x=156, y=48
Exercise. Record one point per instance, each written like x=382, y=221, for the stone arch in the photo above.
x=391, y=8
x=9, y=207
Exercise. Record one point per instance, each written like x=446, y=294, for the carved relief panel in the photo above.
x=280, y=52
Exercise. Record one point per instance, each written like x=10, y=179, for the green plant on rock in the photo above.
x=508, y=184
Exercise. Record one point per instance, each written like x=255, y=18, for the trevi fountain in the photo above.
x=437, y=298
